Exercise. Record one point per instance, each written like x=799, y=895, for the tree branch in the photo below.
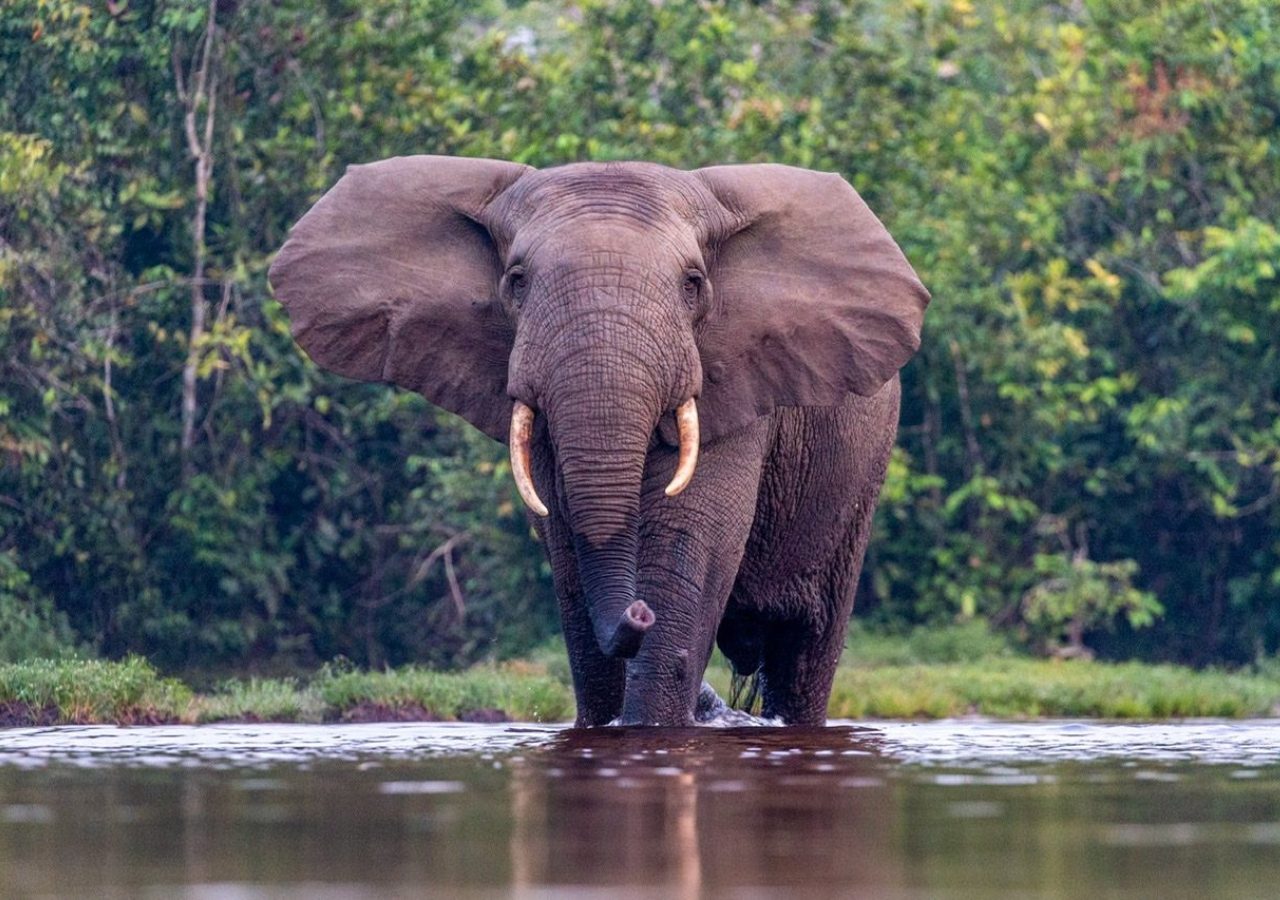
x=445, y=552
x=108, y=403
x=973, y=451
x=201, y=97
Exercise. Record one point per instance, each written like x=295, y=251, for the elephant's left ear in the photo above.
x=812, y=299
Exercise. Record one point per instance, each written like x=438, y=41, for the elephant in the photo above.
x=697, y=373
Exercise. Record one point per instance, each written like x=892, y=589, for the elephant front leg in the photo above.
x=598, y=680
x=664, y=683
x=690, y=549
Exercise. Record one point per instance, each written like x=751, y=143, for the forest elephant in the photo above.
x=696, y=372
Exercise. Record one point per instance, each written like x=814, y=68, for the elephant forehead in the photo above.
x=586, y=245
x=645, y=193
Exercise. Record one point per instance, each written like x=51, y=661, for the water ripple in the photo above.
x=1242, y=744
x=225, y=746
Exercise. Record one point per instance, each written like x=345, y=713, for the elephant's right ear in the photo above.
x=392, y=276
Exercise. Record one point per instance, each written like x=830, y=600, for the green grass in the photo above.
x=1027, y=688
x=92, y=691
x=965, y=669
x=259, y=700
x=132, y=692
x=962, y=642
x=518, y=691
x=1019, y=688
x=912, y=676
x=522, y=692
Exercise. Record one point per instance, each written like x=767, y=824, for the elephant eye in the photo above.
x=692, y=286
x=515, y=284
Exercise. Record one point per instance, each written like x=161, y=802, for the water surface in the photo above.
x=948, y=809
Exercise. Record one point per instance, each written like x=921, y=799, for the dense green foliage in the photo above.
x=1090, y=190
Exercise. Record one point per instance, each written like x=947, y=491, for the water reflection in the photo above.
x=683, y=809
x=958, y=809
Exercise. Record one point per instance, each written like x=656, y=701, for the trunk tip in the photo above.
x=630, y=630
x=640, y=616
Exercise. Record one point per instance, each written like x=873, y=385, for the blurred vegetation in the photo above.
x=517, y=691
x=1090, y=441
x=969, y=641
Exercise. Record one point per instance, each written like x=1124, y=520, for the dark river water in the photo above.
x=883, y=810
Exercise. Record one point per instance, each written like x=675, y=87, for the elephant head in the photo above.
x=612, y=304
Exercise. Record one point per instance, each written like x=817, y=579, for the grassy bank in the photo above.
x=49, y=692
x=924, y=675
x=1030, y=688
x=966, y=669
x=1022, y=688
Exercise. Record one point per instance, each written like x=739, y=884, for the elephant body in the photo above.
x=761, y=553
x=699, y=370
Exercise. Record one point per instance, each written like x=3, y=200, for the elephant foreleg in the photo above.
x=691, y=546
x=598, y=680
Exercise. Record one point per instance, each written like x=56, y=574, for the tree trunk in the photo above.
x=201, y=96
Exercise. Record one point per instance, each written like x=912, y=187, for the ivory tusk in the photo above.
x=521, y=433
x=687, y=422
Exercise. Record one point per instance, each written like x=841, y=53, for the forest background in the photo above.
x=1090, y=441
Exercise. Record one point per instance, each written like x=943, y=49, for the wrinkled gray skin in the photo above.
x=603, y=296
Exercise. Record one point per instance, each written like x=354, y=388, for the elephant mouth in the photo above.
x=521, y=436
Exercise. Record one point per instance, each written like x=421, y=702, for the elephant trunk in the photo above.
x=601, y=443
x=602, y=372
x=619, y=619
